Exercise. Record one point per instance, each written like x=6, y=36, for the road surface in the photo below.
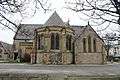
x=109, y=69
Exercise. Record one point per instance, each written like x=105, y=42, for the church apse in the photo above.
x=53, y=42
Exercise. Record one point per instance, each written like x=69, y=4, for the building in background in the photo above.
x=57, y=42
x=5, y=51
x=112, y=43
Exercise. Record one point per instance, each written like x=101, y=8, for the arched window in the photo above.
x=54, y=41
x=89, y=44
x=68, y=42
x=41, y=41
x=94, y=45
x=57, y=41
x=84, y=45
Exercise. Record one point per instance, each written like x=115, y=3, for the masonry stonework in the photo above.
x=57, y=42
x=89, y=56
x=53, y=56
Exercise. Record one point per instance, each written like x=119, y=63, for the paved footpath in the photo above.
x=109, y=69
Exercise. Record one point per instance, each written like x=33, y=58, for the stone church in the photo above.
x=57, y=42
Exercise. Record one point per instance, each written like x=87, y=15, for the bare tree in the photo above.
x=12, y=12
x=109, y=39
x=98, y=11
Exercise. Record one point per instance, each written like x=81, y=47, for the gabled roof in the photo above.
x=54, y=20
x=7, y=47
x=83, y=30
x=26, y=31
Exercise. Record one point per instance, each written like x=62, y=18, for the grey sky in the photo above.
x=41, y=18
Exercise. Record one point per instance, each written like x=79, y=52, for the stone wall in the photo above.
x=56, y=58
x=57, y=76
x=89, y=48
x=53, y=56
x=94, y=58
x=23, y=48
x=93, y=77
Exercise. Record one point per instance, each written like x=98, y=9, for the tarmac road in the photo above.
x=109, y=69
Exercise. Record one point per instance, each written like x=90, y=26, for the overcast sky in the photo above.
x=41, y=18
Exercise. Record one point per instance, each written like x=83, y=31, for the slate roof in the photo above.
x=78, y=29
x=7, y=47
x=26, y=31
x=54, y=20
